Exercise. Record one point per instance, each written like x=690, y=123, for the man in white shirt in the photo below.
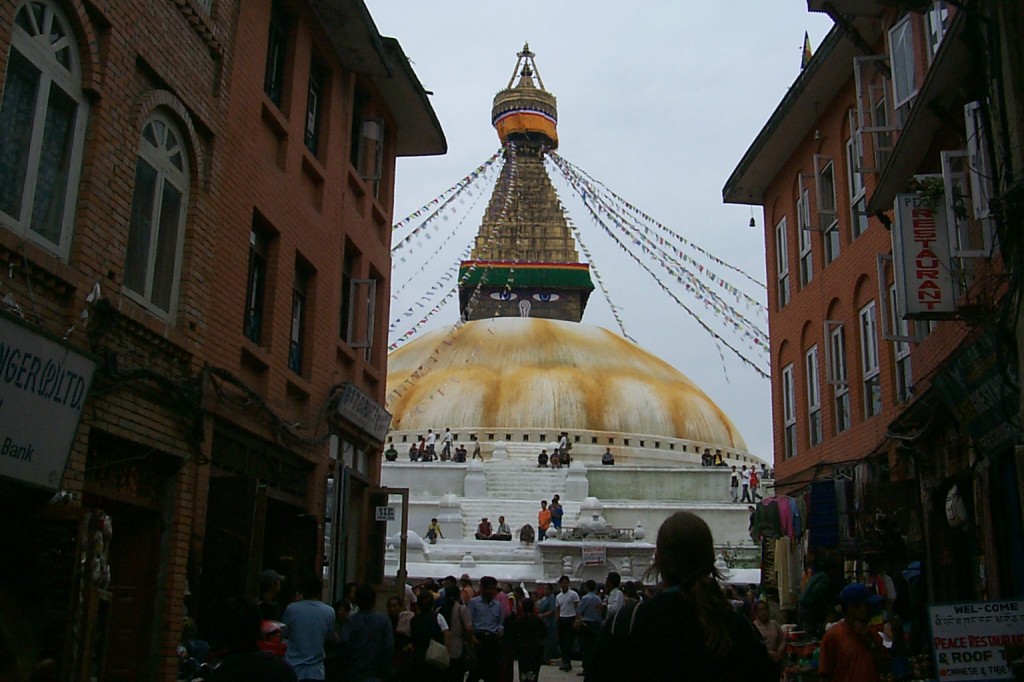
x=504, y=532
x=565, y=605
x=745, y=480
x=446, y=445
x=616, y=598
x=563, y=447
x=431, y=440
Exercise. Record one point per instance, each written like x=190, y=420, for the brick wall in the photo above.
x=838, y=291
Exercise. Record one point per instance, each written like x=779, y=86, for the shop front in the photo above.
x=258, y=517
x=47, y=595
x=355, y=540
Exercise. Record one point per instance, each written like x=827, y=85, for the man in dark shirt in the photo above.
x=483, y=529
x=488, y=629
x=270, y=591
x=245, y=662
x=372, y=641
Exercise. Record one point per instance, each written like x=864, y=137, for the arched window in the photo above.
x=42, y=127
x=159, y=205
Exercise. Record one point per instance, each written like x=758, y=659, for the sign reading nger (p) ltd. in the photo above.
x=43, y=386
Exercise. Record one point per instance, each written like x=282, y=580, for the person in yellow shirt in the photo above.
x=434, y=531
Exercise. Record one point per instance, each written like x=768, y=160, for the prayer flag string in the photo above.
x=660, y=226
x=435, y=207
x=677, y=270
x=508, y=192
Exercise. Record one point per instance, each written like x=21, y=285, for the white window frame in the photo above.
x=835, y=358
x=901, y=60
x=979, y=168
x=41, y=50
x=298, y=320
x=828, y=217
x=371, y=303
x=371, y=152
x=160, y=159
x=960, y=228
x=803, y=220
x=813, y=378
x=871, y=379
x=782, y=262
x=855, y=182
x=873, y=113
x=902, y=366
x=936, y=23
x=892, y=333
x=316, y=98
x=788, y=413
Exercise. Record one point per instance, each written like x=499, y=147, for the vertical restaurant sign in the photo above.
x=43, y=386
x=969, y=640
x=921, y=259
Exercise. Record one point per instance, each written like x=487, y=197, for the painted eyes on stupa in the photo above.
x=543, y=297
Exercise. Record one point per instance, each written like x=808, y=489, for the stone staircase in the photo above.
x=516, y=480
x=515, y=488
x=517, y=513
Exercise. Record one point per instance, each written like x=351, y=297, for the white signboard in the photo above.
x=969, y=639
x=921, y=259
x=43, y=386
x=385, y=514
x=594, y=555
x=363, y=411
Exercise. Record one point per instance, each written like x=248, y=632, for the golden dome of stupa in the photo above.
x=515, y=373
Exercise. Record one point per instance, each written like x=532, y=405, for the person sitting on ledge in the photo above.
x=434, y=532
x=460, y=454
x=706, y=459
x=483, y=529
x=391, y=454
x=542, y=459
x=608, y=459
x=414, y=452
x=556, y=461
x=719, y=461
x=503, y=532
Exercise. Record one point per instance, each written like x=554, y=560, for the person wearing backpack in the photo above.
x=427, y=625
x=687, y=630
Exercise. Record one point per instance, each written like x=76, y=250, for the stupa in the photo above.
x=520, y=368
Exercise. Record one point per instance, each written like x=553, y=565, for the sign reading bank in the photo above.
x=43, y=386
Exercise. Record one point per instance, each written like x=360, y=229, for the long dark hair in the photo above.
x=685, y=559
x=452, y=595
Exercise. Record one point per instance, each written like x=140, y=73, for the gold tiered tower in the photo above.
x=524, y=253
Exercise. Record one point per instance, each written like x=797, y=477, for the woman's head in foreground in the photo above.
x=685, y=550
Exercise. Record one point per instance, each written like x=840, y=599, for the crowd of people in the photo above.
x=425, y=449
x=684, y=624
x=747, y=480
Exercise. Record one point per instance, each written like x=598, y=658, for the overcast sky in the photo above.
x=656, y=100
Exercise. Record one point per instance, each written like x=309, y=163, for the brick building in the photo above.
x=896, y=373
x=195, y=224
